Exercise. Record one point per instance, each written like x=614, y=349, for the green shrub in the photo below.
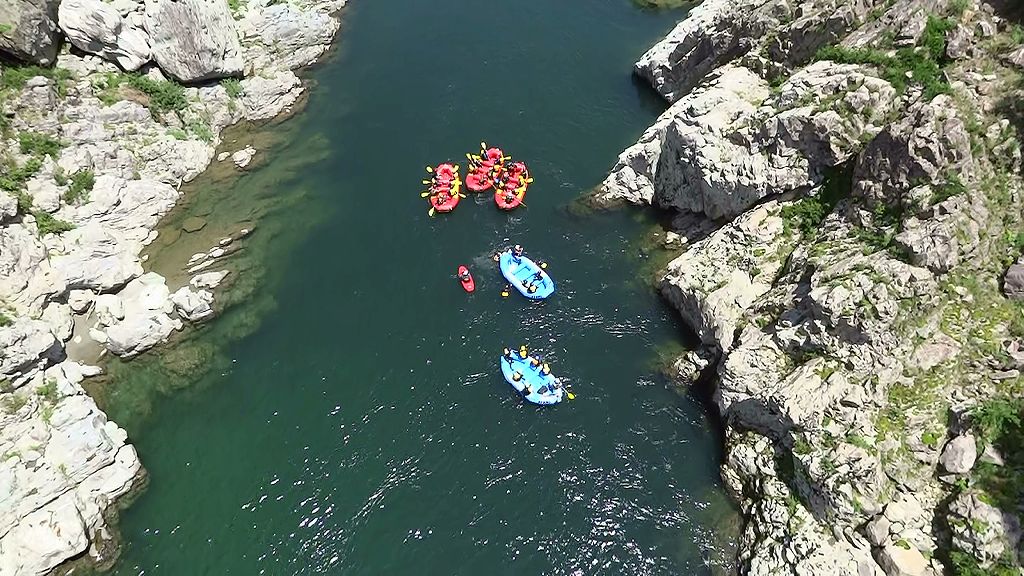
x=60, y=178
x=15, y=78
x=924, y=66
x=48, y=391
x=807, y=214
x=999, y=422
x=958, y=7
x=14, y=402
x=178, y=133
x=201, y=130
x=164, y=96
x=47, y=224
x=13, y=177
x=5, y=320
x=232, y=86
x=81, y=184
x=39, y=145
x=951, y=187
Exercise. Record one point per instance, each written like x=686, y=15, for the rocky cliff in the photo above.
x=95, y=146
x=847, y=182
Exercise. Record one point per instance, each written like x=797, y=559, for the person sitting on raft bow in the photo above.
x=464, y=276
x=509, y=197
x=517, y=251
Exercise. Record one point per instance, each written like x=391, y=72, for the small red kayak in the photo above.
x=466, y=279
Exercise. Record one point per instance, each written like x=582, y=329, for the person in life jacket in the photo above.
x=517, y=376
x=464, y=276
x=509, y=197
x=534, y=362
x=517, y=251
x=522, y=351
x=545, y=370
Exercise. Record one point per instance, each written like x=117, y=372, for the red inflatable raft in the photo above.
x=444, y=192
x=479, y=179
x=511, y=195
x=466, y=279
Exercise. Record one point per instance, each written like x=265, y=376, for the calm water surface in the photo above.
x=350, y=417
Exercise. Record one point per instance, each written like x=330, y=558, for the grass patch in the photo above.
x=15, y=78
x=39, y=145
x=14, y=402
x=13, y=176
x=48, y=391
x=967, y=565
x=923, y=65
x=5, y=321
x=201, y=130
x=60, y=178
x=953, y=186
x=178, y=133
x=47, y=224
x=807, y=214
x=163, y=95
x=233, y=86
x=82, y=183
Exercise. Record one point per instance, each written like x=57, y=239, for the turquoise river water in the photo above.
x=346, y=414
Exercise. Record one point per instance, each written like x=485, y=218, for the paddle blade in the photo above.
x=425, y=193
x=431, y=212
x=430, y=169
x=461, y=195
x=529, y=180
x=427, y=182
x=483, y=146
x=543, y=264
x=570, y=395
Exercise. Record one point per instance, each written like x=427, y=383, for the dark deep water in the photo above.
x=349, y=417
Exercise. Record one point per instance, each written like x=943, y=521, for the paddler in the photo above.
x=509, y=197
x=464, y=276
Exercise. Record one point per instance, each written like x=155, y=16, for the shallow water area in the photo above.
x=347, y=414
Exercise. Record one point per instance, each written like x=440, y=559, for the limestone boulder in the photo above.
x=193, y=40
x=31, y=34
x=96, y=27
x=982, y=530
x=193, y=305
x=960, y=454
x=25, y=344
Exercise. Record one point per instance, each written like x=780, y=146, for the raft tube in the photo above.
x=491, y=156
x=479, y=180
x=517, y=196
x=444, y=194
x=522, y=275
x=542, y=388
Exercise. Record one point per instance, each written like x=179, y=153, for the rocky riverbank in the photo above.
x=105, y=110
x=846, y=179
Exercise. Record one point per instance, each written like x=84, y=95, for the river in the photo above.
x=347, y=415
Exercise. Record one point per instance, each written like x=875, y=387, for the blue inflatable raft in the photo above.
x=529, y=278
x=532, y=383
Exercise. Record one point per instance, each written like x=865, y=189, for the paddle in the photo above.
x=425, y=193
x=430, y=169
x=431, y=212
x=504, y=291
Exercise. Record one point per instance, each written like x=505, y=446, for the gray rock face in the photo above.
x=713, y=33
x=982, y=530
x=32, y=35
x=194, y=40
x=925, y=146
x=723, y=147
x=899, y=561
x=285, y=36
x=960, y=454
x=63, y=463
x=1013, y=283
x=24, y=345
x=96, y=27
